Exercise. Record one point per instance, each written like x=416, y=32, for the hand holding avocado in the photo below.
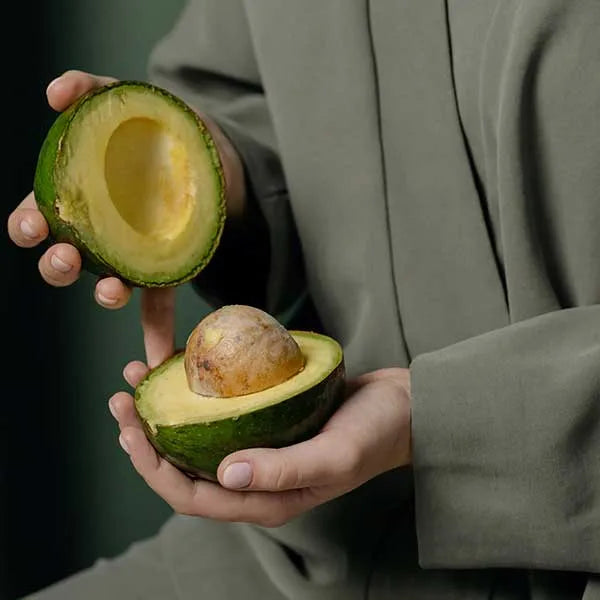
x=368, y=435
x=135, y=186
x=242, y=382
x=60, y=265
x=62, y=262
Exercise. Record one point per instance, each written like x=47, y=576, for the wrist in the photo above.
x=233, y=170
x=401, y=378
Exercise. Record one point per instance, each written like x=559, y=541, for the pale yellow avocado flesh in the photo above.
x=138, y=183
x=167, y=400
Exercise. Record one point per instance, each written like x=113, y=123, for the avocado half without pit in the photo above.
x=130, y=175
x=243, y=381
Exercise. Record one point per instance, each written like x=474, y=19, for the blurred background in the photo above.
x=69, y=494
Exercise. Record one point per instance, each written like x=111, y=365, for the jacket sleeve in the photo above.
x=506, y=425
x=207, y=59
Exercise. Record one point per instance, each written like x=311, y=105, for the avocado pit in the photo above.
x=239, y=350
x=196, y=431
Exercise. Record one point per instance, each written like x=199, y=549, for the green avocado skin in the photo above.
x=45, y=192
x=44, y=187
x=199, y=448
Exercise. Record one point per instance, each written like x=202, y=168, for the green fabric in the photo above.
x=227, y=86
x=506, y=446
x=178, y=563
x=442, y=169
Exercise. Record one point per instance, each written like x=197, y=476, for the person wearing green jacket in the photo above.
x=423, y=178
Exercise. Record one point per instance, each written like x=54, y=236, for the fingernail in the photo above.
x=28, y=230
x=113, y=410
x=52, y=83
x=237, y=476
x=123, y=444
x=59, y=264
x=104, y=300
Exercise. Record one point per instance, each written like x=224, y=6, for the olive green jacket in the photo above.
x=427, y=173
x=440, y=162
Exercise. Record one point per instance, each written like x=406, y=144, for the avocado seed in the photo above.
x=238, y=350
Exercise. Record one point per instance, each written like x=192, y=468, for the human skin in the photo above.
x=370, y=433
x=60, y=265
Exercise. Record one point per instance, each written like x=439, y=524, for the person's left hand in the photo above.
x=368, y=435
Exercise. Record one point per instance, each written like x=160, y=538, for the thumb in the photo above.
x=67, y=88
x=323, y=460
x=158, y=323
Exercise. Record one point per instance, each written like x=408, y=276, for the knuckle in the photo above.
x=286, y=476
x=277, y=519
x=180, y=508
x=272, y=513
x=280, y=513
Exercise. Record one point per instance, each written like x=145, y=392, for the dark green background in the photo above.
x=69, y=494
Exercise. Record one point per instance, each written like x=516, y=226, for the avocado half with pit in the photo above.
x=130, y=175
x=196, y=431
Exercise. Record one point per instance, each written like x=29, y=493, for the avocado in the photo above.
x=130, y=175
x=195, y=432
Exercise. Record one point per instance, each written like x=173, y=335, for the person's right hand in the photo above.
x=60, y=265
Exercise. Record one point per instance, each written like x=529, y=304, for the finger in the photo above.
x=26, y=224
x=134, y=372
x=263, y=508
x=60, y=265
x=206, y=499
x=67, y=88
x=122, y=408
x=323, y=460
x=165, y=479
x=112, y=293
x=158, y=323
